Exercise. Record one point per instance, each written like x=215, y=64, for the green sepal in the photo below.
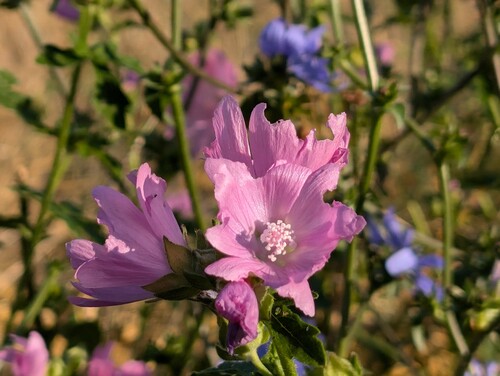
x=179, y=258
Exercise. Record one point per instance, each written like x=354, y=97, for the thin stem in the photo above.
x=369, y=167
x=179, y=120
x=43, y=294
x=490, y=32
x=254, y=358
x=336, y=19
x=180, y=125
x=176, y=55
x=451, y=320
x=58, y=166
x=366, y=44
x=35, y=35
x=176, y=24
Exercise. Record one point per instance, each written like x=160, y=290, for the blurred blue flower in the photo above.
x=300, y=46
x=404, y=260
x=477, y=368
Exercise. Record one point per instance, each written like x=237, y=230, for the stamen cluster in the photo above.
x=277, y=237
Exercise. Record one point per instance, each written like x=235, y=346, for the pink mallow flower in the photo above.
x=277, y=226
x=133, y=254
x=27, y=356
x=101, y=364
x=268, y=143
x=238, y=304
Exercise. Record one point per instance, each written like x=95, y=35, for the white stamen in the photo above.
x=277, y=237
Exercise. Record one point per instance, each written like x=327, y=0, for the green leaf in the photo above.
x=230, y=368
x=8, y=97
x=337, y=366
x=276, y=364
x=398, y=111
x=53, y=55
x=296, y=338
x=110, y=93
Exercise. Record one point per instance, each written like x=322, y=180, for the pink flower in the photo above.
x=28, y=356
x=101, y=364
x=269, y=143
x=277, y=226
x=203, y=101
x=238, y=304
x=133, y=254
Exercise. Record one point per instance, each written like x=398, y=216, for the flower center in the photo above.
x=278, y=238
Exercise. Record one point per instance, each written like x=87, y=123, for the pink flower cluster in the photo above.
x=274, y=223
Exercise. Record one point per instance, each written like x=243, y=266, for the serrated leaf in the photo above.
x=59, y=57
x=297, y=338
x=179, y=258
x=230, y=368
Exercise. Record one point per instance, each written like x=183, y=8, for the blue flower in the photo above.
x=477, y=368
x=300, y=47
x=404, y=260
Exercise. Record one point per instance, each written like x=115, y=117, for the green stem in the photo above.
x=180, y=128
x=35, y=35
x=451, y=320
x=176, y=55
x=180, y=125
x=33, y=310
x=336, y=19
x=254, y=358
x=366, y=44
x=58, y=167
x=369, y=167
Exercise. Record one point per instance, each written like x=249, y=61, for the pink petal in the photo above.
x=301, y=294
x=109, y=295
x=230, y=133
x=124, y=220
x=235, y=268
x=150, y=192
x=240, y=197
x=271, y=142
x=80, y=251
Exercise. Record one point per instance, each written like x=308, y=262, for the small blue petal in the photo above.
x=396, y=235
x=374, y=234
x=433, y=261
x=312, y=70
x=272, y=38
x=403, y=261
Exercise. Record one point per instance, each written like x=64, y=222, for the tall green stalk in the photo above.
x=180, y=125
x=350, y=275
x=451, y=320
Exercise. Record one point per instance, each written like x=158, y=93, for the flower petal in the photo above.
x=271, y=142
x=230, y=133
x=301, y=294
x=150, y=193
x=403, y=261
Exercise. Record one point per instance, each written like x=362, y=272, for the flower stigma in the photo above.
x=277, y=238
